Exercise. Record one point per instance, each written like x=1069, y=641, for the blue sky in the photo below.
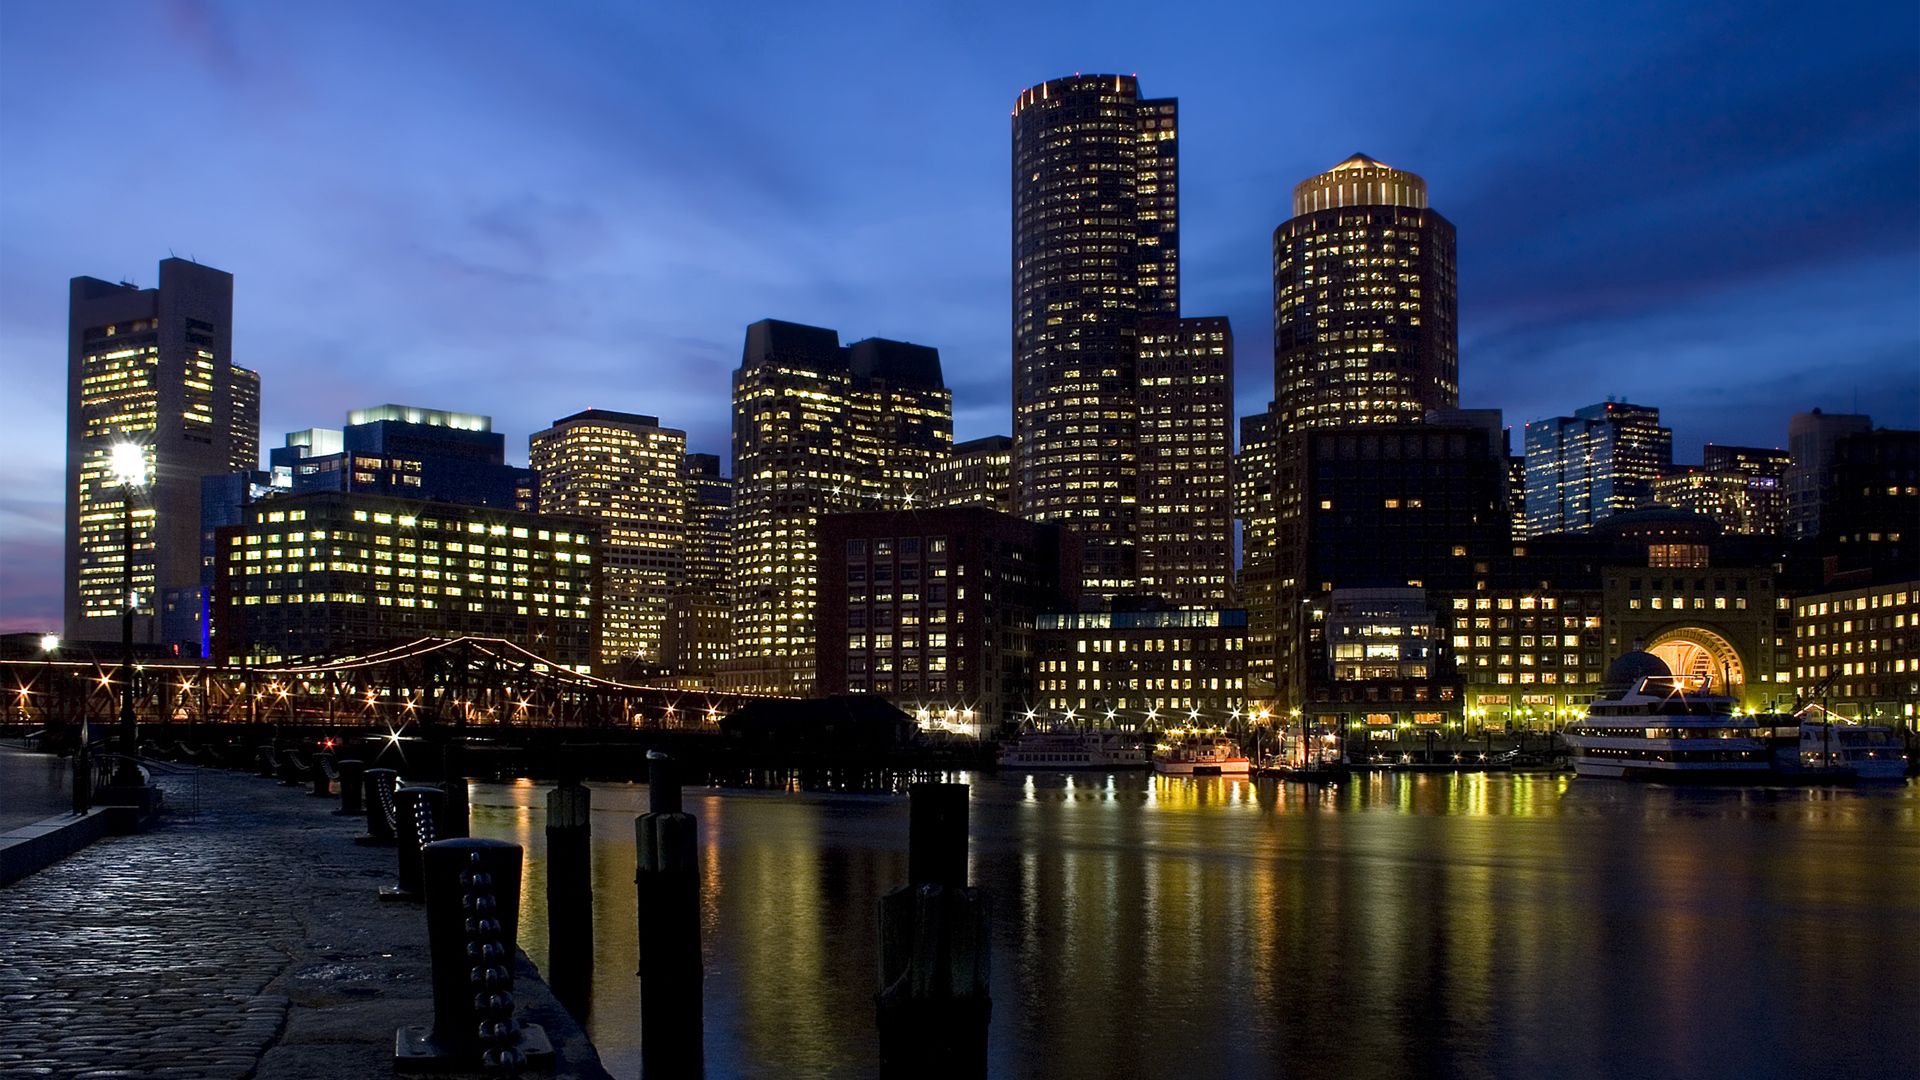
x=524, y=210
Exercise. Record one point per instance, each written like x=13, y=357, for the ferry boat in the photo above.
x=1047, y=750
x=1650, y=724
x=1201, y=756
x=1842, y=749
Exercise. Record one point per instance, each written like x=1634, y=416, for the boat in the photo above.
x=1049, y=750
x=1650, y=724
x=1839, y=749
x=1198, y=755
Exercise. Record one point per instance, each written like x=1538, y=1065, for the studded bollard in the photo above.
x=667, y=879
x=379, y=786
x=352, y=776
x=292, y=770
x=415, y=808
x=473, y=903
x=322, y=778
x=266, y=764
x=935, y=933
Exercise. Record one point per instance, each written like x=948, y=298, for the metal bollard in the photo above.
x=322, y=780
x=292, y=769
x=935, y=943
x=453, y=809
x=82, y=775
x=473, y=904
x=265, y=762
x=351, y=778
x=416, y=808
x=667, y=881
x=380, y=785
x=570, y=895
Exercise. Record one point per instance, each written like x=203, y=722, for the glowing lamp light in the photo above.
x=49, y=642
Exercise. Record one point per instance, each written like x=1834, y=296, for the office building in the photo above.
x=979, y=472
x=406, y=452
x=327, y=573
x=1740, y=487
x=625, y=472
x=1870, y=509
x=153, y=368
x=1184, y=547
x=1364, y=301
x=700, y=614
x=1256, y=479
x=1095, y=248
x=1381, y=662
x=1601, y=461
x=935, y=609
x=1810, y=439
x=1856, y=651
x=1143, y=669
x=817, y=429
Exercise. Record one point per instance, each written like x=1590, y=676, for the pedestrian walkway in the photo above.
x=33, y=786
x=244, y=940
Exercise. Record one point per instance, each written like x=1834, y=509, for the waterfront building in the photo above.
x=337, y=572
x=1528, y=656
x=152, y=368
x=817, y=429
x=979, y=472
x=407, y=452
x=1810, y=439
x=1600, y=461
x=1381, y=665
x=1138, y=669
x=1095, y=249
x=627, y=473
x=1185, y=450
x=935, y=610
x=1856, y=651
x=1364, y=304
x=699, y=636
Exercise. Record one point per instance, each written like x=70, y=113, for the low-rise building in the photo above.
x=1143, y=668
x=1856, y=651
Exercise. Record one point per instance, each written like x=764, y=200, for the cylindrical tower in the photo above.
x=1364, y=312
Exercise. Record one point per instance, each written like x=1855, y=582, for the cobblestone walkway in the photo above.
x=243, y=940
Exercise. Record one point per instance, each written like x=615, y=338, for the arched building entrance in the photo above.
x=1696, y=650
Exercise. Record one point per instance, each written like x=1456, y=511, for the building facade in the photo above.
x=935, y=609
x=1143, y=669
x=699, y=636
x=979, y=472
x=407, y=452
x=1184, y=549
x=817, y=429
x=332, y=572
x=625, y=472
x=1810, y=439
x=152, y=368
x=1095, y=248
x=1602, y=460
x=1856, y=651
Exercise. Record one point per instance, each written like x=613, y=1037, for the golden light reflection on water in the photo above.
x=1399, y=925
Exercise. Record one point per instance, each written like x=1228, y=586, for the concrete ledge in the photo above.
x=35, y=847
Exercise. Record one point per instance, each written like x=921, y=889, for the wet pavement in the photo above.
x=243, y=939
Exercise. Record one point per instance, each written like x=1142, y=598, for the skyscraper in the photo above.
x=150, y=367
x=1364, y=321
x=404, y=451
x=623, y=471
x=979, y=472
x=817, y=429
x=700, y=615
x=1584, y=468
x=1185, y=433
x=1810, y=439
x=1095, y=247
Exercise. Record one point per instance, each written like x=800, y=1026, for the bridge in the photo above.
x=433, y=682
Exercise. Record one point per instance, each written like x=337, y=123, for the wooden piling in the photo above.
x=668, y=885
x=570, y=895
x=933, y=1007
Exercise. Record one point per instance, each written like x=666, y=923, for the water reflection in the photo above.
x=1401, y=925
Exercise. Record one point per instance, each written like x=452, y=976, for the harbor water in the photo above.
x=1458, y=925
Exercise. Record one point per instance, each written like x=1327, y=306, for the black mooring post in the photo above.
x=933, y=1007
x=453, y=808
x=322, y=779
x=570, y=895
x=668, y=884
x=352, y=793
x=473, y=902
x=378, y=786
x=416, y=813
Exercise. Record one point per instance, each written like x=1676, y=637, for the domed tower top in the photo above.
x=1625, y=673
x=1359, y=181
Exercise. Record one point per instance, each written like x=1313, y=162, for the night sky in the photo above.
x=524, y=210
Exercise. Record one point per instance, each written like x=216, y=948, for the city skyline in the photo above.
x=1530, y=328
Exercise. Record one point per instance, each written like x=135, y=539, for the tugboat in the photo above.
x=1650, y=724
x=1201, y=755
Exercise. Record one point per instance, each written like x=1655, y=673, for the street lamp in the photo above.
x=129, y=468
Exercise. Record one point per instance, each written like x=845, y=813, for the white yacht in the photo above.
x=1650, y=724
x=1102, y=750
x=1838, y=747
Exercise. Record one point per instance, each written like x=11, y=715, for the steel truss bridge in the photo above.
x=464, y=682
